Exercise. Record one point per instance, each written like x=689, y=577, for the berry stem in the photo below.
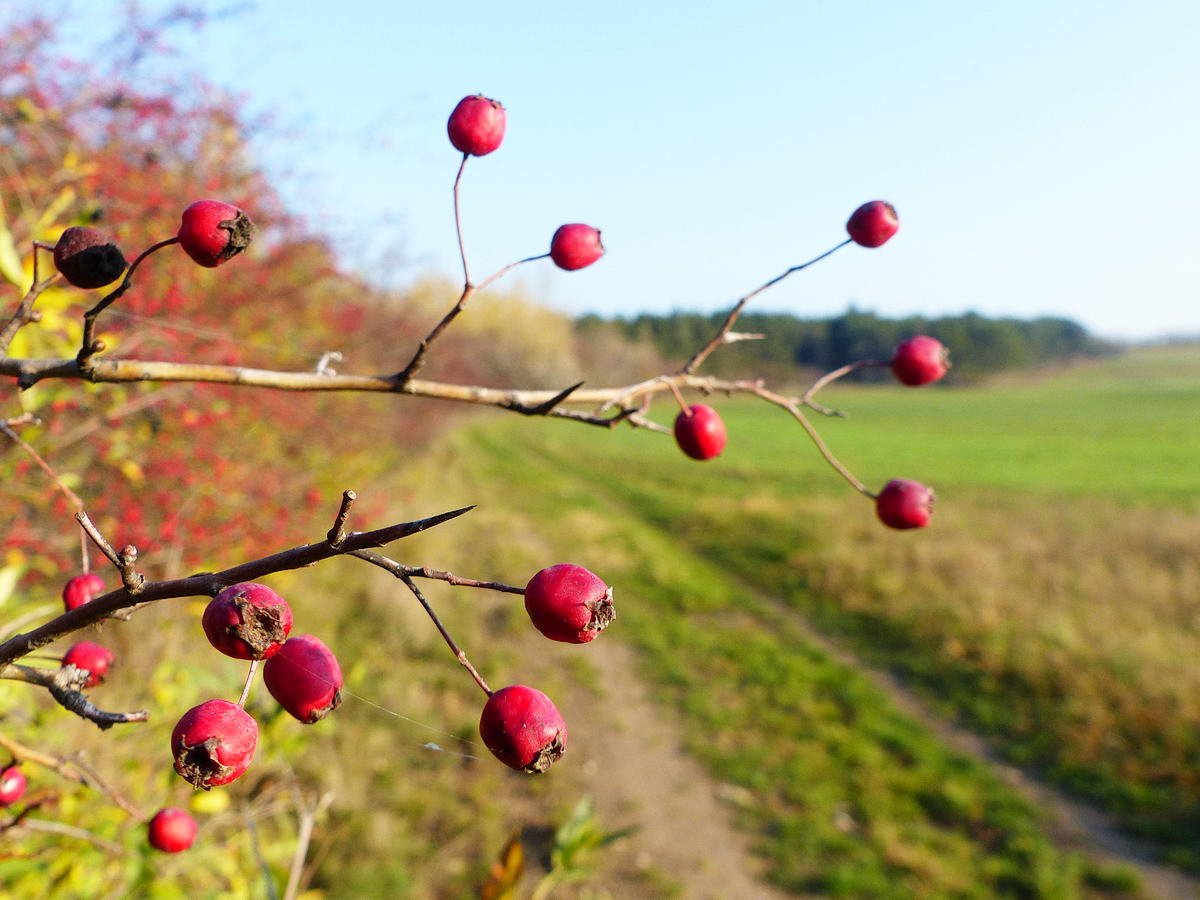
x=462, y=247
x=400, y=570
x=687, y=411
x=87, y=346
x=250, y=673
x=720, y=337
x=830, y=377
x=454, y=648
x=792, y=407
x=504, y=271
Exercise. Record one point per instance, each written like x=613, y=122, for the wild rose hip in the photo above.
x=873, y=224
x=523, y=729
x=477, y=125
x=920, y=360
x=305, y=679
x=575, y=246
x=171, y=830
x=568, y=603
x=212, y=232
x=92, y=657
x=88, y=258
x=213, y=743
x=904, y=504
x=699, y=432
x=247, y=621
x=80, y=589
x=12, y=785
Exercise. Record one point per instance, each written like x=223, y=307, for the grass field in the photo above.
x=1054, y=605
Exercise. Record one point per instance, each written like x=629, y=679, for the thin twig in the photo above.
x=830, y=377
x=88, y=347
x=794, y=409
x=389, y=565
x=720, y=337
x=72, y=831
x=72, y=769
x=307, y=820
x=400, y=570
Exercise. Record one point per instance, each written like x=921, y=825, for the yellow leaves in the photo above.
x=210, y=802
x=132, y=471
x=9, y=576
x=506, y=872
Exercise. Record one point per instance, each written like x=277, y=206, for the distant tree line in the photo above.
x=979, y=345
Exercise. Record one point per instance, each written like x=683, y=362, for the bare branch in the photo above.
x=64, y=686
x=337, y=534
x=73, y=770
x=720, y=337
x=208, y=584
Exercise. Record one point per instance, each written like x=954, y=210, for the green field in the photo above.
x=1052, y=605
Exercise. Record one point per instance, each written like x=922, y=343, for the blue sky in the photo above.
x=1043, y=157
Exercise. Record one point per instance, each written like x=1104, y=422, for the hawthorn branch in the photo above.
x=209, y=584
x=74, y=770
x=401, y=571
x=389, y=565
x=722, y=335
x=64, y=686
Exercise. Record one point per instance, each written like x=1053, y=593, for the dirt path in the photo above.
x=1071, y=825
x=686, y=845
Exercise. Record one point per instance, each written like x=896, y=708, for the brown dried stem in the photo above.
x=337, y=534
x=208, y=584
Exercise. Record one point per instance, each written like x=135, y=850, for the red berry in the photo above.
x=699, y=432
x=247, y=621
x=80, y=589
x=305, y=679
x=171, y=830
x=12, y=785
x=92, y=657
x=904, y=504
x=568, y=603
x=213, y=743
x=213, y=232
x=873, y=224
x=575, y=246
x=88, y=258
x=920, y=360
x=477, y=125
x=523, y=729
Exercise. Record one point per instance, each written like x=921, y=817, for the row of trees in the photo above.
x=982, y=345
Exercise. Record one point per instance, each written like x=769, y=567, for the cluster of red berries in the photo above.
x=519, y=724
x=214, y=743
x=211, y=233
x=476, y=128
